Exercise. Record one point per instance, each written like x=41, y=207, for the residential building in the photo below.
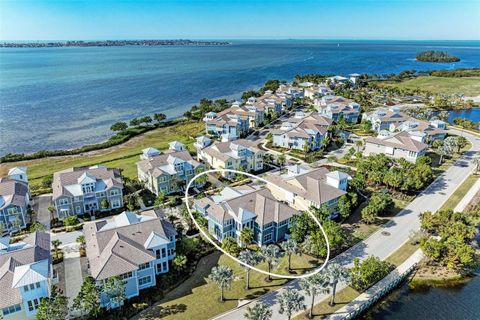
x=240, y=155
x=256, y=209
x=134, y=247
x=336, y=107
x=254, y=113
x=302, y=187
x=430, y=131
x=14, y=200
x=25, y=275
x=228, y=126
x=290, y=91
x=305, y=132
x=86, y=190
x=170, y=171
x=399, y=145
x=383, y=118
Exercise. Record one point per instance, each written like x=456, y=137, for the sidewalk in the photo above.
x=371, y=295
x=468, y=197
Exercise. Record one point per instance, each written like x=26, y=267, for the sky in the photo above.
x=239, y=19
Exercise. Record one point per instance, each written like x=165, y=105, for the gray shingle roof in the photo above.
x=117, y=246
x=12, y=192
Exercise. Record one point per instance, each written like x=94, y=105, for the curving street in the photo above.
x=398, y=229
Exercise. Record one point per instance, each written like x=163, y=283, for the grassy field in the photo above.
x=198, y=298
x=402, y=253
x=458, y=195
x=122, y=156
x=469, y=86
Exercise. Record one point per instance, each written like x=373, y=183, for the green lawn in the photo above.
x=197, y=298
x=402, y=253
x=123, y=156
x=458, y=195
x=469, y=86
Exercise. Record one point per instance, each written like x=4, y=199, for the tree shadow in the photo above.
x=161, y=312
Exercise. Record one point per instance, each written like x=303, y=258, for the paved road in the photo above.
x=399, y=229
x=41, y=204
x=68, y=239
x=73, y=275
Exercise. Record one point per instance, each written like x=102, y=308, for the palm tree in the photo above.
x=290, y=247
x=316, y=284
x=271, y=254
x=251, y=258
x=246, y=236
x=267, y=158
x=223, y=277
x=290, y=301
x=259, y=311
x=281, y=159
x=476, y=162
x=358, y=144
x=56, y=243
x=336, y=273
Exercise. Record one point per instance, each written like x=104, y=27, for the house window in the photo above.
x=88, y=188
x=164, y=266
x=37, y=285
x=267, y=237
x=126, y=275
x=63, y=201
x=78, y=209
x=33, y=304
x=282, y=223
x=157, y=254
x=163, y=253
x=145, y=280
x=13, y=210
x=115, y=203
x=12, y=309
x=114, y=192
x=144, y=266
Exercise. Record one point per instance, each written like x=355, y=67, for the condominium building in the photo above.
x=134, y=247
x=246, y=207
x=83, y=190
x=25, y=275
x=336, y=107
x=168, y=171
x=383, y=118
x=240, y=155
x=14, y=200
x=403, y=144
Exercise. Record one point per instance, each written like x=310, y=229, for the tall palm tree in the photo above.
x=281, y=159
x=223, y=277
x=246, y=236
x=252, y=258
x=316, y=284
x=290, y=301
x=56, y=243
x=271, y=254
x=290, y=247
x=259, y=311
x=336, y=273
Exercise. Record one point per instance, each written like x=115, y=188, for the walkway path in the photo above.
x=468, y=197
x=73, y=275
x=364, y=300
x=394, y=233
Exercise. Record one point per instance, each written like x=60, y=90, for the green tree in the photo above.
x=222, y=276
x=476, y=161
x=105, y=204
x=461, y=143
x=135, y=122
x=160, y=200
x=56, y=244
x=119, y=126
x=180, y=262
x=290, y=301
x=54, y=307
x=114, y=289
x=246, y=236
x=315, y=284
x=281, y=160
x=290, y=247
x=88, y=299
x=358, y=144
x=252, y=258
x=230, y=245
x=159, y=117
x=259, y=311
x=336, y=273
x=271, y=254
x=344, y=207
x=365, y=273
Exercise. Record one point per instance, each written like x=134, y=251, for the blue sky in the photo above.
x=194, y=19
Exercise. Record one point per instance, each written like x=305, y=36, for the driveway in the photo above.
x=68, y=239
x=398, y=229
x=40, y=206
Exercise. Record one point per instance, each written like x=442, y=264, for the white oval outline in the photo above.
x=306, y=275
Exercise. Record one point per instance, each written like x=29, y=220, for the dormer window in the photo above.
x=88, y=187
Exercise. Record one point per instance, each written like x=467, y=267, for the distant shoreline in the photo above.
x=112, y=43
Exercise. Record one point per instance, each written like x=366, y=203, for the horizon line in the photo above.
x=239, y=39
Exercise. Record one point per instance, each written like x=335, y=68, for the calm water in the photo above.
x=459, y=302
x=472, y=114
x=53, y=98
